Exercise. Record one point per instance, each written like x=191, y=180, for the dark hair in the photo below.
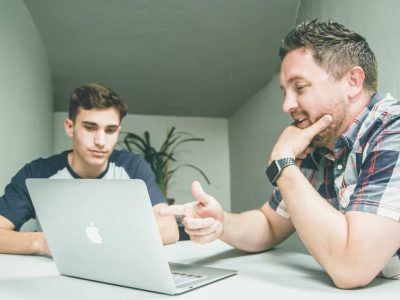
x=95, y=96
x=335, y=48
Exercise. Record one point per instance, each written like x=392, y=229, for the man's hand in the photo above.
x=16, y=242
x=42, y=246
x=295, y=142
x=202, y=218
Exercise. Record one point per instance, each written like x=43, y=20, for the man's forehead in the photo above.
x=299, y=64
x=100, y=117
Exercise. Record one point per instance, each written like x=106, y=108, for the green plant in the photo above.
x=159, y=159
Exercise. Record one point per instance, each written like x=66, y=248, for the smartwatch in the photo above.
x=274, y=170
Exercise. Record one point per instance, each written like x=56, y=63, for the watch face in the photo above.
x=273, y=171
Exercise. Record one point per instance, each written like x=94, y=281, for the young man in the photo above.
x=336, y=167
x=93, y=124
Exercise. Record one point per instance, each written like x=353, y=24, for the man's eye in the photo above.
x=300, y=88
x=90, y=128
x=111, y=130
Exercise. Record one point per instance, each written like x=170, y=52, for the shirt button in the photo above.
x=339, y=167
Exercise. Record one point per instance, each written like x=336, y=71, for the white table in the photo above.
x=279, y=272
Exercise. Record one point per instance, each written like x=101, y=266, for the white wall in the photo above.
x=252, y=132
x=212, y=155
x=25, y=91
x=377, y=21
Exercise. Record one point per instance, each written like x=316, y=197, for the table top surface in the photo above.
x=278, y=272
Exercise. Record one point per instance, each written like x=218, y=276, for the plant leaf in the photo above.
x=172, y=172
x=185, y=141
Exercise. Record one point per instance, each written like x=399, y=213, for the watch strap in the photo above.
x=284, y=162
x=274, y=170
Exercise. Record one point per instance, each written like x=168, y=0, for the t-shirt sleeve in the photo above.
x=15, y=204
x=145, y=173
x=377, y=188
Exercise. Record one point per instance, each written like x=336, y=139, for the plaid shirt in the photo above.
x=363, y=172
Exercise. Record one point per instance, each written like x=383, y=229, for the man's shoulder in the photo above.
x=129, y=163
x=55, y=158
x=385, y=106
x=383, y=110
x=124, y=154
x=46, y=166
x=124, y=158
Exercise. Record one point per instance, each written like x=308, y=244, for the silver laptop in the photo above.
x=105, y=230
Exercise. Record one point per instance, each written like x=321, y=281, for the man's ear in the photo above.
x=355, y=80
x=69, y=127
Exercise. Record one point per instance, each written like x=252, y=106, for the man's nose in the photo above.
x=290, y=103
x=100, y=138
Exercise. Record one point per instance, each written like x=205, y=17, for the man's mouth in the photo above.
x=300, y=122
x=98, y=152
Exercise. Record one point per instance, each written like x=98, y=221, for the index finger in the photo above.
x=172, y=210
x=320, y=125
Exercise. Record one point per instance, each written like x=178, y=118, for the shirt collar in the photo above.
x=350, y=135
x=347, y=139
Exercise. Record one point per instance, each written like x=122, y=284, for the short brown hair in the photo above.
x=335, y=48
x=95, y=96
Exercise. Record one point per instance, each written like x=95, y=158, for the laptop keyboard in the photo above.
x=182, y=278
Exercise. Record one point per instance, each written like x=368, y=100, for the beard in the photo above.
x=328, y=136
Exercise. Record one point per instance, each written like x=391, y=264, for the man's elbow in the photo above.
x=350, y=278
x=171, y=235
x=169, y=230
x=167, y=226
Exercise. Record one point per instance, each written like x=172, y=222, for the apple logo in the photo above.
x=93, y=234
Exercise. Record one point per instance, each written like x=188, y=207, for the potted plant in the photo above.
x=159, y=160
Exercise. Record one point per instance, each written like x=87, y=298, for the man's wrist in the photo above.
x=224, y=219
x=276, y=167
x=283, y=173
x=38, y=243
x=277, y=155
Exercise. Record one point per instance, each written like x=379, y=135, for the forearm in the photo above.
x=14, y=242
x=167, y=225
x=249, y=231
x=168, y=230
x=323, y=229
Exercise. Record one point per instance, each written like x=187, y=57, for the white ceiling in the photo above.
x=165, y=57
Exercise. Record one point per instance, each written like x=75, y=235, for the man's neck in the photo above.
x=356, y=107
x=82, y=169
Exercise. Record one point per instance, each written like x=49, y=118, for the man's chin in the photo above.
x=320, y=141
x=97, y=161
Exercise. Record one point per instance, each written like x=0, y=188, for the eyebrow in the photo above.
x=95, y=124
x=294, y=78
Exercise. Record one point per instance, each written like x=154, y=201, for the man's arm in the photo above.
x=13, y=242
x=205, y=221
x=353, y=247
x=166, y=225
x=255, y=230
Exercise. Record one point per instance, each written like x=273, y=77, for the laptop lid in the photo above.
x=105, y=230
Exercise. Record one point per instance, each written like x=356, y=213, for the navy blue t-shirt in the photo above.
x=16, y=204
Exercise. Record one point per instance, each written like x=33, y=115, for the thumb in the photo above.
x=318, y=126
x=198, y=193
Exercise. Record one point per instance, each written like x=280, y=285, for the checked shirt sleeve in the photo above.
x=377, y=189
